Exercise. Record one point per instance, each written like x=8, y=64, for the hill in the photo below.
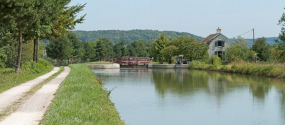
x=269, y=40
x=129, y=35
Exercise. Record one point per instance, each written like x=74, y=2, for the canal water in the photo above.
x=192, y=97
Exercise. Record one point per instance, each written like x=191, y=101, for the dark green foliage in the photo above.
x=90, y=51
x=158, y=46
x=262, y=49
x=191, y=49
x=59, y=48
x=131, y=35
x=120, y=49
x=78, y=50
x=137, y=48
x=3, y=58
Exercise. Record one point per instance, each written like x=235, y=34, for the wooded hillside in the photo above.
x=130, y=35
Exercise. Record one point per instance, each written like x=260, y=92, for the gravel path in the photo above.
x=7, y=98
x=32, y=110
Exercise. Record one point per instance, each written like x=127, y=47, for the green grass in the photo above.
x=80, y=100
x=158, y=63
x=255, y=69
x=9, y=80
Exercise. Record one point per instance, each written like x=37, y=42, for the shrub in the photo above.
x=3, y=58
x=6, y=70
x=36, y=67
x=215, y=60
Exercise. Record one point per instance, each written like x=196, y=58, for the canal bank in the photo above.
x=81, y=100
x=245, y=68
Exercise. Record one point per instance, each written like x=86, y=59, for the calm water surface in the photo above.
x=191, y=97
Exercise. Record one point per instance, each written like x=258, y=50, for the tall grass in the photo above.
x=81, y=100
x=256, y=69
x=29, y=71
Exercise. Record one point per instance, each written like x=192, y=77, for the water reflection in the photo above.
x=185, y=82
x=165, y=94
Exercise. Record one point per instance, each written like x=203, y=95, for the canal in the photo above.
x=184, y=97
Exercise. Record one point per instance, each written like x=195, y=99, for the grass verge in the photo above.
x=81, y=100
x=9, y=80
x=255, y=69
x=158, y=63
x=16, y=105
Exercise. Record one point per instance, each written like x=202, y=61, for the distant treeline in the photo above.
x=269, y=40
x=130, y=35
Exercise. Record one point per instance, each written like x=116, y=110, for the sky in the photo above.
x=198, y=17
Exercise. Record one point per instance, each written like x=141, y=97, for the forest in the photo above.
x=70, y=48
x=130, y=35
x=24, y=23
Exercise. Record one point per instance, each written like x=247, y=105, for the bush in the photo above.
x=215, y=60
x=3, y=58
x=36, y=67
x=6, y=70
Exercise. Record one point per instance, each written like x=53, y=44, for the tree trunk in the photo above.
x=19, y=51
x=61, y=62
x=57, y=62
x=68, y=61
x=36, y=46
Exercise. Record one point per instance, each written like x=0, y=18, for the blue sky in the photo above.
x=199, y=17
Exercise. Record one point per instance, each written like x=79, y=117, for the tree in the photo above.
x=90, y=51
x=169, y=51
x=59, y=48
x=138, y=48
x=241, y=41
x=261, y=48
x=281, y=47
x=67, y=20
x=101, y=50
x=57, y=21
x=120, y=49
x=159, y=45
x=239, y=51
x=18, y=15
x=191, y=49
x=281, y=22
x=77, y=48
x=47, y=12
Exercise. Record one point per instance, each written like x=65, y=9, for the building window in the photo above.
x=220, y=44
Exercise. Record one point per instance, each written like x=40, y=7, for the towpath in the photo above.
x=7, y=98
x=32, y=110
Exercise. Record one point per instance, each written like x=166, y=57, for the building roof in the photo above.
x=210, y=37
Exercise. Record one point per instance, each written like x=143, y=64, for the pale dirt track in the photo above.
x=12, y=95
x=33, y=109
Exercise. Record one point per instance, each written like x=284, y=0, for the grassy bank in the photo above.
x=29, y=71
x=158, y=63
x=255, y=69
x=81, y=100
